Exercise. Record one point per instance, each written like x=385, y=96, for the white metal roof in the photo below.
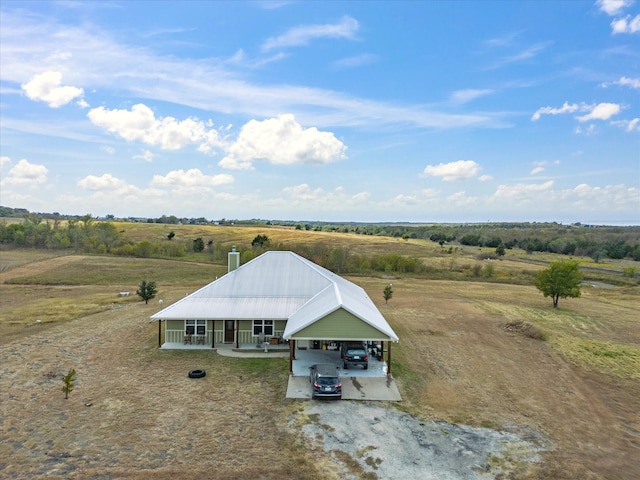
x=278, y=285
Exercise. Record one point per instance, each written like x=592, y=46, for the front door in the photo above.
x=228, y=330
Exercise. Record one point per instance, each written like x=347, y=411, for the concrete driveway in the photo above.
x=353, y=388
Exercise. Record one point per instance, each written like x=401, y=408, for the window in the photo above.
x=262, y=326
x=195, y=327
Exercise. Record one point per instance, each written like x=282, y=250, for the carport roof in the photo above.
x=278, y=285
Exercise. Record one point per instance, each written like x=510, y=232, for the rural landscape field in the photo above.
x=479, y=346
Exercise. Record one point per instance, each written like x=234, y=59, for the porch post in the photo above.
x=213, y=334
x=292, y=347
x=159, y=333
x=389, y=359
x=237, y=326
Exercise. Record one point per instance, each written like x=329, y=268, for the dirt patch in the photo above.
x=386, y=443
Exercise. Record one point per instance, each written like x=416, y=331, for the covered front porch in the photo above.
x=209, y=334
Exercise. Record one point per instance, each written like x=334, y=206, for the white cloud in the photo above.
x=566, y=108
x=282, y=141
x=303, y=192
x=464, y=96
x=602, y=111
x=589, y=130
x=537, y=170
x=613, y=7
x=146, y=155
x=429, y=192
x=302, y=35
x=460, y=199
x=628, y=125
x=521, y=191
x=109, y=150
x=450, y=172
x=4, y=161
x=46, y=87
x=626, y=25
x=624, y=81
x=104, y=182
x=25, y=173
x=191, y=178
x=140, y=124
x=526, y=54
x=485, y=178
x=356, y=61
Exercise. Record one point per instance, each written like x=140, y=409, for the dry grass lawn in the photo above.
x=135, y=414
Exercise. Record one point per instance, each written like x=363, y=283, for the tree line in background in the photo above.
x=88, y=234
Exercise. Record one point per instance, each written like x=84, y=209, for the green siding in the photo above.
x=340, y=325
x=245, y=325
x=175, y=325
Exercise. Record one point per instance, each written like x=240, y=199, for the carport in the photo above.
x=340, y=313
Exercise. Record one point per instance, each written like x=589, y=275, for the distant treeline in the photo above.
x=86, y=233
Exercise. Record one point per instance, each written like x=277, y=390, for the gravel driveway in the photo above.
x=391, y=444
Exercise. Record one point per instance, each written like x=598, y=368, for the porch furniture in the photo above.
x=188, y=339
x=200, y=339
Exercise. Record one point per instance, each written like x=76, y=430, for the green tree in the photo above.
x=198, y=245
x=500, y=249
x=147, y=290
x=559, y=280
x=261, y=241
x=69, y=382
x=387, y=293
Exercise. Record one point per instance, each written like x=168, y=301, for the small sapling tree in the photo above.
x=69, y=382
x=560, y=280
x=387, y=293
x=147, y=290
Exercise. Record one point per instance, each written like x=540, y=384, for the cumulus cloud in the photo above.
x=146, y=155
x=47, y=87
x=25, y=173
x=282, y=141
x=303, y=34
x=602, y=111
x=566, y=108
x=191, y=178
x=303, y=192
x=613, y=7
x=141, y=124
x=626, y=25
x=4, y=161
x=104, y=182
x=450, y=172
x=624, y=81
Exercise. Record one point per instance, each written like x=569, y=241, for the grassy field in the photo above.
x=135, y=414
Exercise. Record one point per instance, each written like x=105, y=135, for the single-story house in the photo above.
x=277, y=297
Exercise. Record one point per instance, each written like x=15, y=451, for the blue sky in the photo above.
x=336, y=111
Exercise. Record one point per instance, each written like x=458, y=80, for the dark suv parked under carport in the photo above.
x=355, y=354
